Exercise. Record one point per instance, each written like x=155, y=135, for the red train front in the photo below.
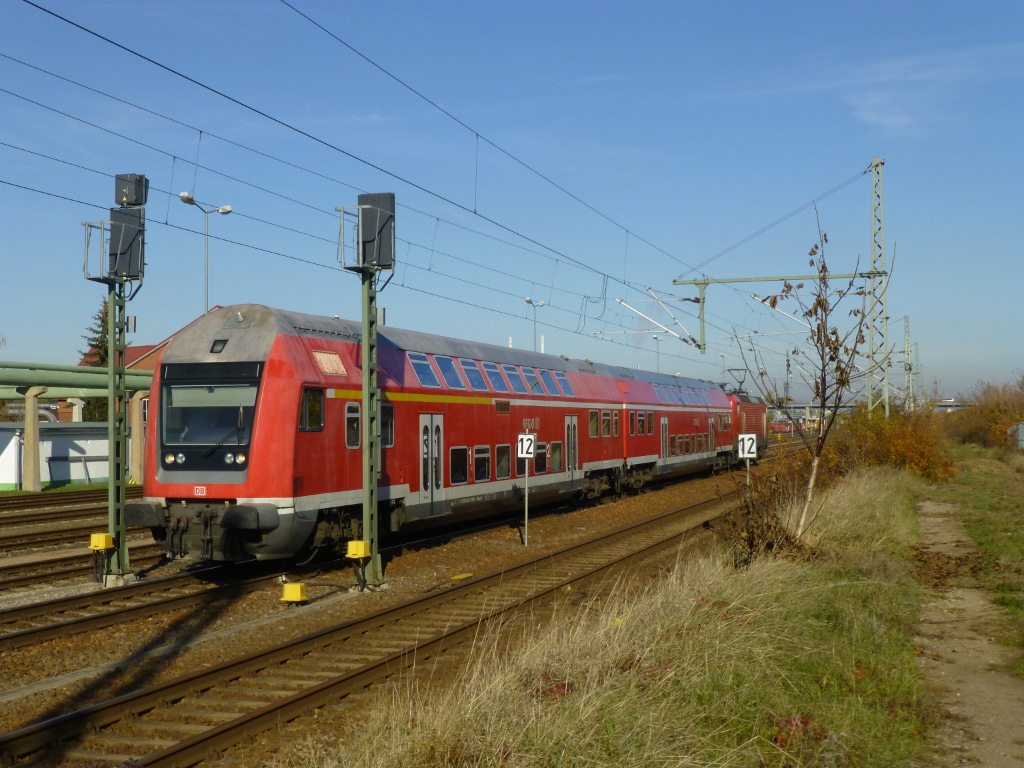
x=255, y=429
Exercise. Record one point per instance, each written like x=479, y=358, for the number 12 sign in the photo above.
x=748, y=446
x=526, y=446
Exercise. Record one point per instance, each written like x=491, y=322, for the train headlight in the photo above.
x=169, y=458
x=180, y=458
x=240, y=458
x=229, y=459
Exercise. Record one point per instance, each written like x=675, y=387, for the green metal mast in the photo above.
x=371, y=423
x=117, y=432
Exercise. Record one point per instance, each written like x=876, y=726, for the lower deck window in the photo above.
x=482, y=463
x=503, y=462
x=540, y=459
x=556, y=457
x=458, y=464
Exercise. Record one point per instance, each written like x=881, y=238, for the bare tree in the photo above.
x=826, y=364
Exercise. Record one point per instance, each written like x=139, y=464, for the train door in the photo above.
x=572, y=462
x=711, y=434
x=432, y=461
x=664, y=437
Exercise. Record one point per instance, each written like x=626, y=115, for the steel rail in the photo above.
x=49, y=499
x=468, y=605
x=51, y=514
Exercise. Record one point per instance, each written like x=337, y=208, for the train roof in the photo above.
x=274, y=321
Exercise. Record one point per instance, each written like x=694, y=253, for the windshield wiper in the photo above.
x=236, y=430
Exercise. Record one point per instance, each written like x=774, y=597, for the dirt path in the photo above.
x=960, y=661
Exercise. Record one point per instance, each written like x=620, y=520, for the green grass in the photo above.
x=786, y=663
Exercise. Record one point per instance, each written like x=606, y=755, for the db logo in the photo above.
x=200, y=490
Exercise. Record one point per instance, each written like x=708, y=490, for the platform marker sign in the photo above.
x=748, y=446
x=526, y=447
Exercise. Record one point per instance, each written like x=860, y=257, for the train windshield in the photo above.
x=208, y=414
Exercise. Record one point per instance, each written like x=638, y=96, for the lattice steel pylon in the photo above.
x=909, y=395
x=878, y=319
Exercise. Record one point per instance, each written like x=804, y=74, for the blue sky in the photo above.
x=675, y=130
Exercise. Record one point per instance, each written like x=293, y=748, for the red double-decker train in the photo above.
x=255, y=432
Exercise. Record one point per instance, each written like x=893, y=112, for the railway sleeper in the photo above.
x=167, y=725
x=144, y=741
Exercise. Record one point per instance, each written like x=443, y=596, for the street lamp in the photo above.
x=536, y=305
x=186, y=197
x=657, y=352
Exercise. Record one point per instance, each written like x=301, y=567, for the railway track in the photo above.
x=51, y=499
x=182, y=721
x=37, y=622
x=43, y=537
x=67, y=566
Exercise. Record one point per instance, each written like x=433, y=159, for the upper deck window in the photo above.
x=449, y=372
x=494, y=376
x=564, y=381
x=424, y=371
x=549, y=382
x=515, y=379
x=661, y=393
x=533, y=382
x=472, y=371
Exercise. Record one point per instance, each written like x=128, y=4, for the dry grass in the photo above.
x=783, y=663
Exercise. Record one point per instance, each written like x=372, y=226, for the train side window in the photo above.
x=632, y=423
x=673, y=395
x=660, y=393
x=549, y=382
x=503, y=462
x=352, y=425
x=449, y=372
x=472, y=371
x=540, y=459
x=641, y=423
x=515, y=379
x=458, y=464
x=564, y=382
x=595, y=424
x=387, y=425
x=494, y=376
x=671, y=445
x=424, y=371
x=533, y=382
x=521, y=467
x=650, y=422
x=482, y=464
x=685, y=393
x=606, y=423
x=311, y=417
x=615, y=423
x=556, y=457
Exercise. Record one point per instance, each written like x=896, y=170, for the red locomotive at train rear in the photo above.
x=255, y=429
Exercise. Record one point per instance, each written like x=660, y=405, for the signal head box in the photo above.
x=132, y=190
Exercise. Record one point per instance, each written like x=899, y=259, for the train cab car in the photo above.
x=254, y=443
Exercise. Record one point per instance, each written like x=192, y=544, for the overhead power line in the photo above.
x=333, y=147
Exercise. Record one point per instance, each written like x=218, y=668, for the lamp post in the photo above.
x=186, y=197
x=657, y=352
x=536, y=305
